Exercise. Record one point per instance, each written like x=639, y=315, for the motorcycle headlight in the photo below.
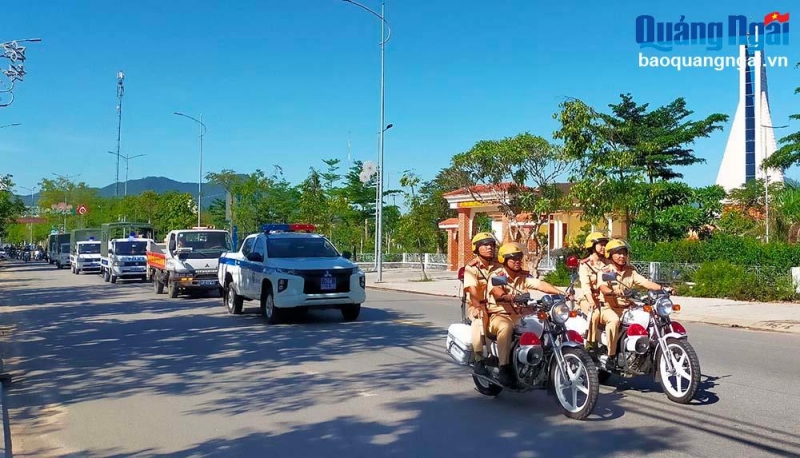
x=560, y=312
x=663, y=306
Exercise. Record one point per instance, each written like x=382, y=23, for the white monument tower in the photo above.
x=751, y=139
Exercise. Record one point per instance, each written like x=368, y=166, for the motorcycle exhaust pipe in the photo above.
x=530, y=354
x=638, y=344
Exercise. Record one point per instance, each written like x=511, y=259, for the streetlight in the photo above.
x=127, y=159
x=379, y=223
x=120, y=93
x=12, y=51
x=66, y=179
x=200, y=181
x=766, y=178
x=30, y=225
x=11, y=125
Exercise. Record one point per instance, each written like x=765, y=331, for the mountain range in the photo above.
x=159, y=185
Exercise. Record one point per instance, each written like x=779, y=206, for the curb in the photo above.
x=700, y=319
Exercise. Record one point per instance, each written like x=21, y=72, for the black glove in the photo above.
x=522, y=298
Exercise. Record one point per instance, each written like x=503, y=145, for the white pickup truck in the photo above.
x=286, y=269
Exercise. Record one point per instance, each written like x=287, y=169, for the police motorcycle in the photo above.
x=651, y=343
x=545, y=354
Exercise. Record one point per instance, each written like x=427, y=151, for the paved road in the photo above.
x=113, y=370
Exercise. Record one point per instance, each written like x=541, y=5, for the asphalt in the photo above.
x=114, y=370
x=764, y=316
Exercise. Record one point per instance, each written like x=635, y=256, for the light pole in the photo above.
x=30, y=225
x=379, y=223
x=200, y=181
x=66, y=179
x=127, y=160
x=120, y=93
x=766, y=178
x=10, y=125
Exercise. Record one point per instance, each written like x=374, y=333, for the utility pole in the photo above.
x=120, y=93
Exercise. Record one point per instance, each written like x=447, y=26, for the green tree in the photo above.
x=11, y=206
x=788, y=154
x=620, y=151
x=519, y=175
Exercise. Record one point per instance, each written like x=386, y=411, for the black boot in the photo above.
x=480, y=368
x=506, y=377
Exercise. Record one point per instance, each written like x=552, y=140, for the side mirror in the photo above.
x=676, y=274
x=347, y=254
x=609, y=276
x=255, y=257
x=572, y=262
x=172, y=245
x=461, y=274
x=499, y=281
x=573, y=277
x=110, y=251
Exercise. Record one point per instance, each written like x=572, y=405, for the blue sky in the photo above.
x=288, y=82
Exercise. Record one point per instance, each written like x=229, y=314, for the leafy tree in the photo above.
x=176, y=210
x=504, y=168
x=11, y=206
x=619, y=151
x=788, y=154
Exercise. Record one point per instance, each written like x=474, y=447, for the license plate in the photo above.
x=327, y=283
x=208, y=282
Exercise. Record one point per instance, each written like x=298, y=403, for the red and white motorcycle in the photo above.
x=649, y=342
x=545, y=354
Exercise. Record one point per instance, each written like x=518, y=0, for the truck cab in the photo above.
x=85, y=250
x=61, y=255
x=187, y=260
x=123, y=250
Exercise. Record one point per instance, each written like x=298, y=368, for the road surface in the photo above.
x=114, y=370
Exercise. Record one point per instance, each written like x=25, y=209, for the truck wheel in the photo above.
x=106, y=276
x=233, y=301
x=351, y=312
x=113, y=278
x=172, y=289
x=273, y=314
x=77, y=271
x=158, y=286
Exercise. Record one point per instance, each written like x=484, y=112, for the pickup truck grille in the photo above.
x=313, y=278
x=134, y=263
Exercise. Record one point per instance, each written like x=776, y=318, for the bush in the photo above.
x=560, y=276
x=722, y=279
x=720, y=247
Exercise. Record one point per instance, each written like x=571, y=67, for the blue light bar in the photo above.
x=275, y=227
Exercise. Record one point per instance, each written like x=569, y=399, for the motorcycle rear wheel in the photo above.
x=485, y=388
x=582, y=374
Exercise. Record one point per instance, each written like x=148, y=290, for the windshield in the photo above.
x=130, y=248
x=204, y=244
x=92, y=248
x=305, y=247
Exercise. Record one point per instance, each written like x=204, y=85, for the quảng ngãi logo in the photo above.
x=737, y=30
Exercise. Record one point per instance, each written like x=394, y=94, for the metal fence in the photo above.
x=434, y=261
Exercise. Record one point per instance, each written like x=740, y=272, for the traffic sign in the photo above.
x=83, y=209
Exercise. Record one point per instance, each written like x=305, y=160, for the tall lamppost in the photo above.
x=764, y=128
x=16, y=69
x=200, y=181
x=379, y=223
x=66, y=179
x=10, y=125
x=120, y=93
x=127, y=160
x=30, y=225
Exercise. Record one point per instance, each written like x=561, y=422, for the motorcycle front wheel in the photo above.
x=577, y=392
x=681, y=386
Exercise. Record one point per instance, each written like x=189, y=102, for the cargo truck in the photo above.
x=123, y=250
x=85, y=250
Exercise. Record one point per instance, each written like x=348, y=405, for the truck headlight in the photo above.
x=362, y=281
x=116, y=263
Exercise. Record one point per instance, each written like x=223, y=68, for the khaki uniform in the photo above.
x=477, y=274
x=613, y=307
x=501, y=324
x=590, y=274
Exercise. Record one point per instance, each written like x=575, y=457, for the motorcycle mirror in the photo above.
x=499, y=281
x=573, y=277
